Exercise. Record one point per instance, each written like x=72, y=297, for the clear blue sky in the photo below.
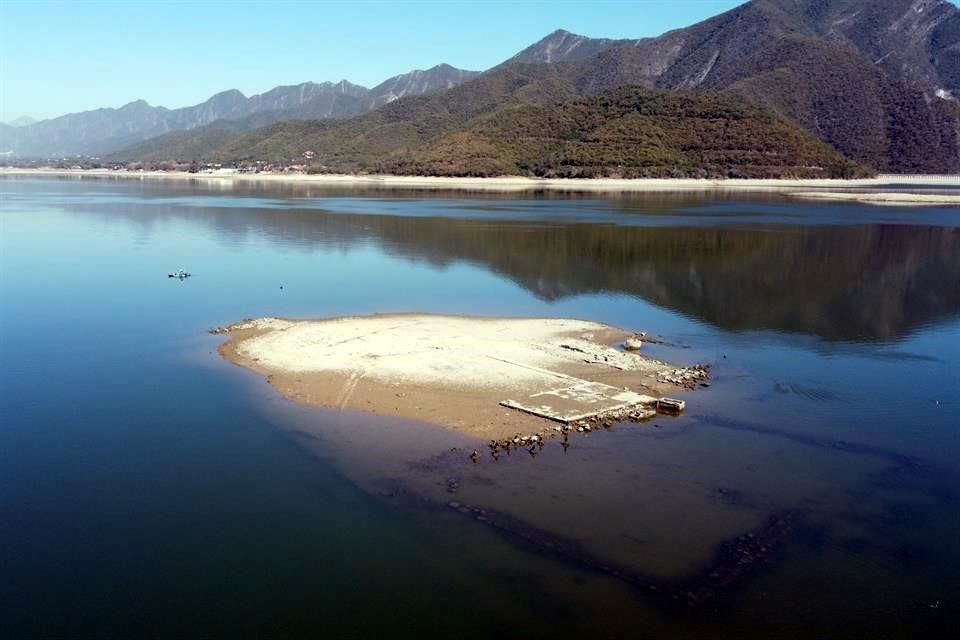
x=59, y=57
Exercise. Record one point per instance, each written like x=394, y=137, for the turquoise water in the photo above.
x=148, y=489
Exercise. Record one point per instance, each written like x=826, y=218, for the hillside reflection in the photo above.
x=851, y=282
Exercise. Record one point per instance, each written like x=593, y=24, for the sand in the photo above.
x=449, y=370
x=497, y=184
x=450, y=351
x=888, y=198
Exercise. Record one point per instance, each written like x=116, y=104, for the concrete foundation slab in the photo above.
x=579, y=400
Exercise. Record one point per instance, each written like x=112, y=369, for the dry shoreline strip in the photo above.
x=502, y=183
x=458, y=372
x=889, y=198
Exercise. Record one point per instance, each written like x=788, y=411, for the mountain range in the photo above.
x=105, y=130
x=877, y=81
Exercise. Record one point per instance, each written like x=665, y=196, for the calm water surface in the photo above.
x=149, y=489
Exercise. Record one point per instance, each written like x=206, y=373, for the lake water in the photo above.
x=150, y=489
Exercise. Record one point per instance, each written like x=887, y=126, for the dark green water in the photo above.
x=148, y=489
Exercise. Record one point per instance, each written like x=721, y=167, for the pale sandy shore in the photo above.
x=890, y=198
x=503, y=183
x=454, y=371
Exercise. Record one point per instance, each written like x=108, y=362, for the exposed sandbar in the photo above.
x=888, y=198
x=448, y=370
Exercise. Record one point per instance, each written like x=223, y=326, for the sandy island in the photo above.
x=501, y=183
x=459, y=372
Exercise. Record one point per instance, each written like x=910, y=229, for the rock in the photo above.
x=632, y=344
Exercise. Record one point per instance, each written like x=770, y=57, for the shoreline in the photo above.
x=500, y=183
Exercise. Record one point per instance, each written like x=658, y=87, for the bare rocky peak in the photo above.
x=564, y=46
x=418, y=82
x=108, y=129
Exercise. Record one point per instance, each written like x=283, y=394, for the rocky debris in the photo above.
x=593, y=353
x=535, y=442
x=734, y=563
x=646, y=338
x=633, y=414
x=255, y=324
x=633, y=343
x=688, y=377
x=467, y=509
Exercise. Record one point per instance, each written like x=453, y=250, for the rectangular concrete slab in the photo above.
x=578, y=400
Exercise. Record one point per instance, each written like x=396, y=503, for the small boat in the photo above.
x=179, y=274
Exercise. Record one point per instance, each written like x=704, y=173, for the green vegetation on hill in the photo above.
x=842, y=97
x=511, y=123
x=630, y=133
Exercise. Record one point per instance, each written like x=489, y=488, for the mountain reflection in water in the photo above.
x=733, y=273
